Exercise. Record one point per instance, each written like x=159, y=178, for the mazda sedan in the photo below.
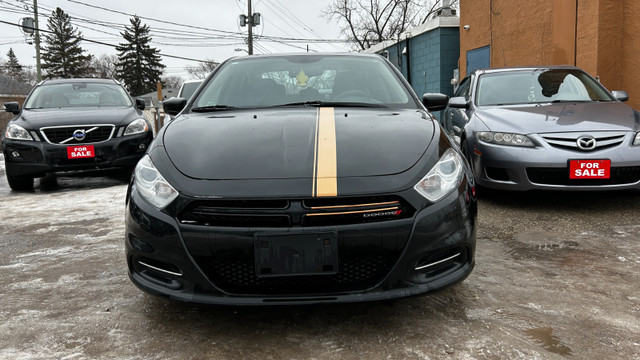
x=73, y=124
x=298, y=179
x=545, y=128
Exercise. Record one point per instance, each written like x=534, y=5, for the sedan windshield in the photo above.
x=304, y=80
x=538, y=86
x=77, y=94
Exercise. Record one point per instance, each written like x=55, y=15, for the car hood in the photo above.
x=282, y=143
x=564, y=117
x=37, y=118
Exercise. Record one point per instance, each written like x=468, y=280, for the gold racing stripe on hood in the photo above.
x=325, y=167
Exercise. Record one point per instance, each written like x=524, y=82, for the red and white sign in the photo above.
x=589, y=169
x=80, y=152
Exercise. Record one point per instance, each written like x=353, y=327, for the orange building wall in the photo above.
x=600, y=36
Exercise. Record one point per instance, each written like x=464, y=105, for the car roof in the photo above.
x=79, y=80
x=313, y=54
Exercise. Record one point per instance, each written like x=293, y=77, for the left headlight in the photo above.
x=17, y=132
x=636, y=141
x=136, y=126
x=151, y=185
x=443, y=178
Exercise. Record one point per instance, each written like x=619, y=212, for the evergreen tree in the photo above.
x=138, y=65
x=12, y=67
x=62, y=55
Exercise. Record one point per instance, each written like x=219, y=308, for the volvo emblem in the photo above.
x=79, y=134
x=586, y=143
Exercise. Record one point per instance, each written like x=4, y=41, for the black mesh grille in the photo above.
x=357, y=272
x=301, y=212
x=560, y=176
x=60, y=134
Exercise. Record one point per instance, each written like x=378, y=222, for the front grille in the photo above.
x=64, y=135
x=560, y=176
x=295, y=213
x=356, y=272
x=603, y=139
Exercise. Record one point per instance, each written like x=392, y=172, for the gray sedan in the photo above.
x=553, y=128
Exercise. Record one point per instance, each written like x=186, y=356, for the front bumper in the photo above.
x=209, y=264
x=547, y=168
x=36, y=158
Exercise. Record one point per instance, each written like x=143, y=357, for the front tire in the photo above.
x=20, y=183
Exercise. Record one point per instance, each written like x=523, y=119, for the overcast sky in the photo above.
x=194, y=29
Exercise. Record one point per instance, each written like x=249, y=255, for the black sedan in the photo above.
x=303, y=178
x=73, y=124
x=545, y=128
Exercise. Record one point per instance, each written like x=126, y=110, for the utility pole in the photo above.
x=37, y=35
x=250, y=20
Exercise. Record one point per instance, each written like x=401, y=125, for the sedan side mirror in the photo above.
x=435, y=101
x=620, y=95
x=173, y=106
x=140, y=104
x=459, y=102
x=12, y=107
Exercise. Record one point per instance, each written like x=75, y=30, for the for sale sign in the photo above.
x=80, y=152
x=589, y=169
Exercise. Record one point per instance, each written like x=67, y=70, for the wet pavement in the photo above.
x=556, y=277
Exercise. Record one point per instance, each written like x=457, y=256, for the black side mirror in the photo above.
x=620, y=95
x=435, y=101
x=12, y=107
x=140, y=104
x=173, y=106
x=459, y=102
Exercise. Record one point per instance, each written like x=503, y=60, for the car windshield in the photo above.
x=299, y=80
x=538, y=86
x=77, y=94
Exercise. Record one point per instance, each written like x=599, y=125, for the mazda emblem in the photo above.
x=586, y=143
x=79, y=134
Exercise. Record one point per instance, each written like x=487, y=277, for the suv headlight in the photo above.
x=443, y=178
x=636, y=141
x=17, y=132
x=509, y=139
x=151, y=185
x=136, y=126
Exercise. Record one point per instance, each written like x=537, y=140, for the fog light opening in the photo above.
x=15, y=154
x=142, y=146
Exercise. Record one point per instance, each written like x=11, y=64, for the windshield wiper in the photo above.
x=332, y=104
x=569, y=101
x=213, y=108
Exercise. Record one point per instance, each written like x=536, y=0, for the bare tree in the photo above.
x=368, y=22
x=172, y=81
x=104, y=67
x=203, y=69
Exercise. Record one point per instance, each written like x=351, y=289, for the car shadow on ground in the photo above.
x=82, y=180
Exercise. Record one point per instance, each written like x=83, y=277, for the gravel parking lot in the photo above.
x=556, y=277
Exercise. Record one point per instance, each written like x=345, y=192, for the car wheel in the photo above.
x=20, y=183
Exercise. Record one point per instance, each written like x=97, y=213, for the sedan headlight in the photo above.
x=443, y=178
x=501, y=138
x=136, y=126
x=17, y=132
x=151, y=185
x=636, y=141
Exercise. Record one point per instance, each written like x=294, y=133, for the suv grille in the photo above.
x=64, y=135
x=288, y=213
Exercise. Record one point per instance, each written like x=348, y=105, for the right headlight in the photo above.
x=636, y=140
x=501, y=138
x=17, y=132
x=151, y=185
x=443, y=178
